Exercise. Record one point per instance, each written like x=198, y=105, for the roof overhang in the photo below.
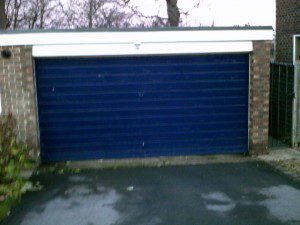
x=138, y=42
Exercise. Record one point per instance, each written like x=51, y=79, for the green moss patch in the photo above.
x=6, y=205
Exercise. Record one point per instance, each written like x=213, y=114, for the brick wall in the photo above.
x=259, y=97
x=287, y=24
x=18, y=92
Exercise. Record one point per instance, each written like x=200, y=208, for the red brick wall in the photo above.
x=287, y=24
x=18, y=92
x=259, y=97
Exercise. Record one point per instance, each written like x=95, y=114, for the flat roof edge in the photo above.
x=135, y=38
x=137, y=29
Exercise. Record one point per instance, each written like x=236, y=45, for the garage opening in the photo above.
x=146, y=106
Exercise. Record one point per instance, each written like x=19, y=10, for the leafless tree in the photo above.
x=13, y=13
x=173, y=13
x=41, y=14
x=30, y=14
x=44, y=14
x=2, y=15
x=98, y=14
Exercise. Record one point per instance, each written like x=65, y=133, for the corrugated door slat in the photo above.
x=142, y=106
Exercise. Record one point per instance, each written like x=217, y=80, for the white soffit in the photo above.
x=140, y=49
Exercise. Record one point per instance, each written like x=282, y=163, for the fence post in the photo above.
x=278, y=105
x=295, y=130
x=286, y=102
x=271, y=102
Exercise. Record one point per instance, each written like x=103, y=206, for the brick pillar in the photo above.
x=18, y=92
x=259, y=97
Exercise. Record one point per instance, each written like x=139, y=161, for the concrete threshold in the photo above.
x=158, y=161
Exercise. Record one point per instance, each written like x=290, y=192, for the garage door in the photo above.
x=119, y=107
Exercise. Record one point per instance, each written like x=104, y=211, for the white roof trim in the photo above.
x=140, y=49
x=67, y=38
x=296, y=42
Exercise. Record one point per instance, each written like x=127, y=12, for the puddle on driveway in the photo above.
x=80, y=206
x=283, y=202
x=220, y=202
x=217, y=196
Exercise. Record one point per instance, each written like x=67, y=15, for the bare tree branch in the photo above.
x=2, y=15
x=173, y=13
x=31, y=14
x=44, y=14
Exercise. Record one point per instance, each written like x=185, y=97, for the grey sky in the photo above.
x=222, y=12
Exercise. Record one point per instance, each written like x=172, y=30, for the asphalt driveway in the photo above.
x=239, y=193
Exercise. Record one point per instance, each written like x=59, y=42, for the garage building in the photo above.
x=99, y=94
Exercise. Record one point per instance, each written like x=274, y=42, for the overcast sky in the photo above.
x=221, y=12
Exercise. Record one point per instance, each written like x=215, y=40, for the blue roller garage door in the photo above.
x=120, y=107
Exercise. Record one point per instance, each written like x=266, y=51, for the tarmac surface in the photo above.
x=223, y=193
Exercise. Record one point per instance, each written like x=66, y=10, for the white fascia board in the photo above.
x=69, y=38
x=140, y=49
